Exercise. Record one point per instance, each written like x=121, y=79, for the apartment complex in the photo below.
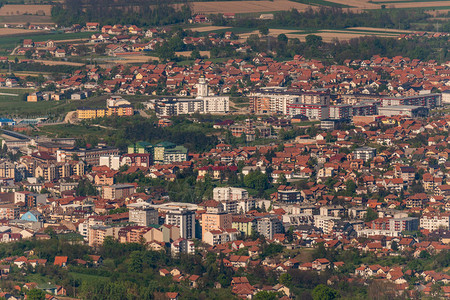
x=204, y=103
x=184, y=219
x=118, y=191
x=143, y=215
x=115, y=106
x=167, y=153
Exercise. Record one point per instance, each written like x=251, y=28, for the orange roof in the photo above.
x=60, y=260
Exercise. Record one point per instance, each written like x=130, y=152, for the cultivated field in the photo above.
x=381, y=29
x=14, y=31
x=419, y=4
x=23, y=19
x=58, y=63
x=14, y=10
x=329, y=35
x=359, y=4
x=341, y=35
x=208, y=28
x=245, y=6
x=188, y=53
x=367, y=4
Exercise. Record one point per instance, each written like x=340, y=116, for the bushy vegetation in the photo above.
x=193, y=136
x=335, y=18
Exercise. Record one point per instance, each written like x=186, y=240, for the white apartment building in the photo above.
x=111, y=161
x=229, y=193
x=182, y=246
x=326, y=223
x=184, y=219
x=433, y=222
x=143, y=216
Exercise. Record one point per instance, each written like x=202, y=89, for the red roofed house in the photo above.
x=61, y=261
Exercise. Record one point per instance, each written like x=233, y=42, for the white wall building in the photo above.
x=111, y=161
x=433, y=222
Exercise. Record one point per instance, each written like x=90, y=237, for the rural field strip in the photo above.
x=246, y=6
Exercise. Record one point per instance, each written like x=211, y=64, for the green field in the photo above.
x=11, y=41
x=70, y=130
x=87, y=277
x=11, y=106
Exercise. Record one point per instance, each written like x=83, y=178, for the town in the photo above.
x=272, y=150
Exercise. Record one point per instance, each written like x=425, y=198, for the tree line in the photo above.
x=139, y=13
x=331, y=17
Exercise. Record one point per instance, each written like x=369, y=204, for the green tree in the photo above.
x=394, y=246
x=263, y=30
x=35, y=294
x=350, y=187
x=195, y=54
x=285, y=279
x=136, y=262
x=265, y=295
x=256, y=180
x=323, y=292
x=282, y=38
x=371, y=215
x=28, y=54
x=282, y=179
x=313, y=40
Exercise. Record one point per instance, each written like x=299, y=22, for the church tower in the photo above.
x=202, y=87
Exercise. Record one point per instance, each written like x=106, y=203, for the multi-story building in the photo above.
x=365, y=153
x=287, y=103
x=213, y=221
x=90, y=113
x=143, y=216
x=132, y=234
x=183, y=219
x=167, y=153
x=118, y=191
x=220, y=236
x=7, y=170
x=269, y=226
x=89, y=156
x=245, y=225
x=311, y=111
x=229, y=193
x=331, y=210
x=29, y=199
x=288, y=194
x=137, y=160
x=98, y=233
x=111, y=161
x=396, y=224
x=432, y=221
x=140, y=147
x=404, y=110
x=326, y=223
x=428, y=100
x=9, y=211
x=340, y=111
x=115, y=106
x=182, y=246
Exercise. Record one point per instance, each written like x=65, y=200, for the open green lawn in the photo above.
x=87, y=277
x=14, y=106
x=71, y=130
